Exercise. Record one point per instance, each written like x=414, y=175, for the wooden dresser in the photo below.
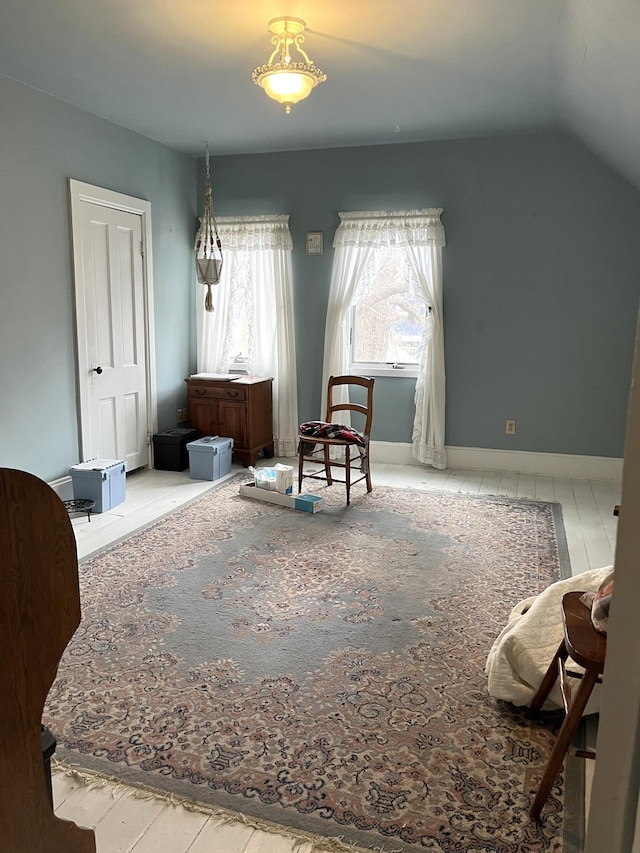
x=240, y=409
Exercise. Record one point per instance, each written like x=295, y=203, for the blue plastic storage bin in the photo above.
x=210, y=457
x=100, y=480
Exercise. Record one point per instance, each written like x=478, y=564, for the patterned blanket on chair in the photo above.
x=322, y=429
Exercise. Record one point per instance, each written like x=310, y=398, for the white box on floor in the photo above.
x=284, y=479
x=100, y=480
x=278, y=479
x=210, y=457
x=305, y=503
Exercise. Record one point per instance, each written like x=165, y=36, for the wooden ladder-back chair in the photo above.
x=317, y=439
x=39, y=612
x=588, y=648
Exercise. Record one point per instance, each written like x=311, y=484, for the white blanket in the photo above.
x=523, y=650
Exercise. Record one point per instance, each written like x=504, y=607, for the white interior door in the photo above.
x=116, y=387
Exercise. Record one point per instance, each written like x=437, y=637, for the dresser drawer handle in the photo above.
x=232, y=393
x=200, y=392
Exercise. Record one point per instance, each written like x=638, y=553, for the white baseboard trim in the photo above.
x=63, y=488
x=392, y=453
x=475, y=458
x=518, y=461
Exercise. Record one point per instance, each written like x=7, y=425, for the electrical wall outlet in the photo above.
x=510, y=427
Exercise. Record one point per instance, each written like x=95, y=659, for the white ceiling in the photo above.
x=179, y=71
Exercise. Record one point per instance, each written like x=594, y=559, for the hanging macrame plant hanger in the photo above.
x=208, y=245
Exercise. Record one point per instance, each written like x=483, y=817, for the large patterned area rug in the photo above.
x=323, y=671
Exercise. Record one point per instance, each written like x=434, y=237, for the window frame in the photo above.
x=399, y=369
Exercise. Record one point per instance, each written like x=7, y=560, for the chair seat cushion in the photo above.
x=341, y=432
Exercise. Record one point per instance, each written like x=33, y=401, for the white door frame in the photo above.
x=81, y=192
x=614, y=812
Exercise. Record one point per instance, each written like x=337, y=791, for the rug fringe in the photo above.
x=319, y=844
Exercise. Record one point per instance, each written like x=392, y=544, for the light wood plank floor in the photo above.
x=125, y=823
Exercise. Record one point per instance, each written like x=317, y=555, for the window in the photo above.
x=250, y=329
x=387, y=266
x=387, y=322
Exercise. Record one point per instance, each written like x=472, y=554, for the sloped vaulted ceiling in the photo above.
x=398, y=70
x=599, y=79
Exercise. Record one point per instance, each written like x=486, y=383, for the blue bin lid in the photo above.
x=97, y=464
x=210, y=443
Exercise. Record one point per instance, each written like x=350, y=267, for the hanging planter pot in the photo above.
x=208, y=245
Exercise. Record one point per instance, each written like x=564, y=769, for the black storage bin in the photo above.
x=170, y=448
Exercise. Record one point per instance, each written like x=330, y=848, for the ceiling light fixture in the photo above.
x=208, y=244
x=282, y=78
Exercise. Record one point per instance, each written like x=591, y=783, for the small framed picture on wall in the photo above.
x=314, y=242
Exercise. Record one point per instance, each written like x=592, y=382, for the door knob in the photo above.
x=97, y=370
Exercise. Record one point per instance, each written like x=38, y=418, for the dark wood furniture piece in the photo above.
x=241, y=409
x=39, y=612
x=318, y=450
x=588, y=648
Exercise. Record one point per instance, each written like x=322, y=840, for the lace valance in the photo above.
x=390, y=228
x=254, y=233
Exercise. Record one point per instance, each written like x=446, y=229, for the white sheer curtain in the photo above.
x=256, y=281
x=420, y=234
x=349, y=264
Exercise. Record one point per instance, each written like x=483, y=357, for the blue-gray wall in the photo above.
x=541, y=278
x=43, y=143
x=541, y=274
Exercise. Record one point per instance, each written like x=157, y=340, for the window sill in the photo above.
x=396, y=373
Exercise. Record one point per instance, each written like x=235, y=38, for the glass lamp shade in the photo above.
x=287, y=87
x=209, y=270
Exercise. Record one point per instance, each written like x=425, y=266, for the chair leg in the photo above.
x=563, y=741
x=327, y=466
x=367, y=471
x=347, y=472
x=550, y=678
x=300, y=467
